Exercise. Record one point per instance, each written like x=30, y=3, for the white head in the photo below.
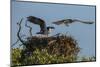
x=50, y=29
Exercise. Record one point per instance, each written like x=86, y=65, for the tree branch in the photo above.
x=18, y=33
x=17, y=41
x=30, y=31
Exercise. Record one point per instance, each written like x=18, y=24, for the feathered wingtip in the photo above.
x=88, y=22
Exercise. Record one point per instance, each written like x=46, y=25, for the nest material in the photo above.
x=60, y=45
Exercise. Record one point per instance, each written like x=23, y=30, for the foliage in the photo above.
x=39, y=57
x=43, y=57
x=86, y=59
x=16, y=54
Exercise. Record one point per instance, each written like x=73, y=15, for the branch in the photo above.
x=30, y=31
x=17, y=41
x=18, y=33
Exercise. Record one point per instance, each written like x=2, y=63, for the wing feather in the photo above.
x=86, y=22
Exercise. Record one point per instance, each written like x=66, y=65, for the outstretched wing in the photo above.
x=86, y=22
x=64, y=21
x=42, y=27
x=69, y=21
x=37, y=21
x=58, y=22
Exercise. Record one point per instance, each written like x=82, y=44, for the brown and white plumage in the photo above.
x=43, y=29
x=37, y=21
x=69, y=21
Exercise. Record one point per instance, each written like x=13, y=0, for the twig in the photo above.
x=18, y=33
x=17, y=41
x=30, y=31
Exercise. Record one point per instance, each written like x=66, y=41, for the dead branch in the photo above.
x=30, y=31
x=17, y=41
x=18, y=33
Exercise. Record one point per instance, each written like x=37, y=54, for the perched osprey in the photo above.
x=43, y=29
x=48, y=30
x=69, y=21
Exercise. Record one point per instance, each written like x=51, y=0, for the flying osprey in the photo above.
x=43, y=29
x=69, y=21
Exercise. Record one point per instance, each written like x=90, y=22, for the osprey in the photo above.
x=69, y=21
x=47, y=31
x=43, y=29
